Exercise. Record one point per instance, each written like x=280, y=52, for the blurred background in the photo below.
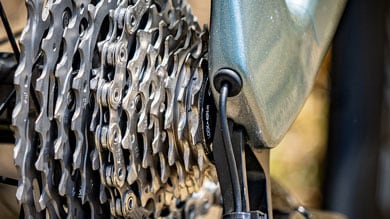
x=336, y=155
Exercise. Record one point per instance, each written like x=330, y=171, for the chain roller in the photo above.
x=119, y=129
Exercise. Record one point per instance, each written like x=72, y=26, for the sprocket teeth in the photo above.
x=119, y=88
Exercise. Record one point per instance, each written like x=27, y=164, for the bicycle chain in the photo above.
x=119, y=85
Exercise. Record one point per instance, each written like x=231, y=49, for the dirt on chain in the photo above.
x=295, y=163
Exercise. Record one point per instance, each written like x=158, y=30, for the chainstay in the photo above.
x=119, y=85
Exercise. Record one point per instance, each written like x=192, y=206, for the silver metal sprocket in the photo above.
x=118, y=131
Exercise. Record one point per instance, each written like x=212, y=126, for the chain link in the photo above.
x=119, y=85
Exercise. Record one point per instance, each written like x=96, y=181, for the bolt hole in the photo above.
x=25, y=82
x=66, y=17
x=120, y=173
x=116, y=138
x=116, y=95
x=70, y=100
x=106, y=116
x=85, y=86
x=138, y=103
x=131, y=203
x=132, y=20
x=83, y=26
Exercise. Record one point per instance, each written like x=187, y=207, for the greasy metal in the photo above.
x=303, y=211
x=276, y=46
x=245, y=215
x=158, y=100
x=118, y=130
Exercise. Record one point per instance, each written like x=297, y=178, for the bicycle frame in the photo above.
x=276, y=48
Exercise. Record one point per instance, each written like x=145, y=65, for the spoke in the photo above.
x=16, y=34
x=8, y=181
x=4, y=104
x=10, y=35
x=15, y=48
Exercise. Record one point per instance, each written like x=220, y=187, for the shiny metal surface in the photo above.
x=118, y=131
x=276, y=47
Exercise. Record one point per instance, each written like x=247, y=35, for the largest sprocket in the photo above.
x=116, y=127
